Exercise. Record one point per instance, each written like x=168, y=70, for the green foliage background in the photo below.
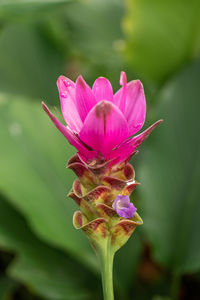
x=41, y=254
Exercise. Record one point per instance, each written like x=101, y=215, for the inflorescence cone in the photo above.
x=97, y=186
x=102, y=126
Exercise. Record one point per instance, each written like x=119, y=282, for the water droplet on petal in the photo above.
x=67, y=83
x=63, y=95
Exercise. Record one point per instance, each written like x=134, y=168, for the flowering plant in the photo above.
x=100, y=125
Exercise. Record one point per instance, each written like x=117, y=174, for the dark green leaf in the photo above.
x=127, y=260
x=6, y=287
x=170, y=174
x=48, y=272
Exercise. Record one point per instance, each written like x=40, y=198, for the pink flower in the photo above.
x=99, y=123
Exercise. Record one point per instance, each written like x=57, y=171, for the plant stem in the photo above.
x=106, y=260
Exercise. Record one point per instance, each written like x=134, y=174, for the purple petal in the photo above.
x=102, y=89
x=85, y=99
x=124, y=207
x=122, y=200
x=70, y=136
x=135, y=107
x=129, y=146
x=66, y=89
x=104, y=128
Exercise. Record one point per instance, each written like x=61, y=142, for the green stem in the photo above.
x=106, y=260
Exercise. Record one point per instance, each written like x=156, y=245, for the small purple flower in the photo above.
x=124, y=207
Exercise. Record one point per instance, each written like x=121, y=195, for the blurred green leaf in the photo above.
x=34, y=52
x=170, y=174
x=6, y=287
x=127, y=261
x=48, y=272
x=95, y=39
x=33, y=155
x=28, y=64
x=105, y=17
x=25, y=8
x=161, y=36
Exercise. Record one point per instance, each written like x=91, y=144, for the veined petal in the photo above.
x=102, y=89
x=104, y=128
x=70, y=136
x=135, y=107
x=70, y=113
x=129, y=146
x=85, y=99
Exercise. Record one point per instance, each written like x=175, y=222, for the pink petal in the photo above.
x=129, y=146
x=140, y=138
x=66, y=89
x=135, y=107
x=104, y=128
x=102, y=89
x=70, y=136
x=123, y=82
x=85, y=99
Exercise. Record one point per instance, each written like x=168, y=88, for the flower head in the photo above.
x=124, y=207
x=99, y=124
